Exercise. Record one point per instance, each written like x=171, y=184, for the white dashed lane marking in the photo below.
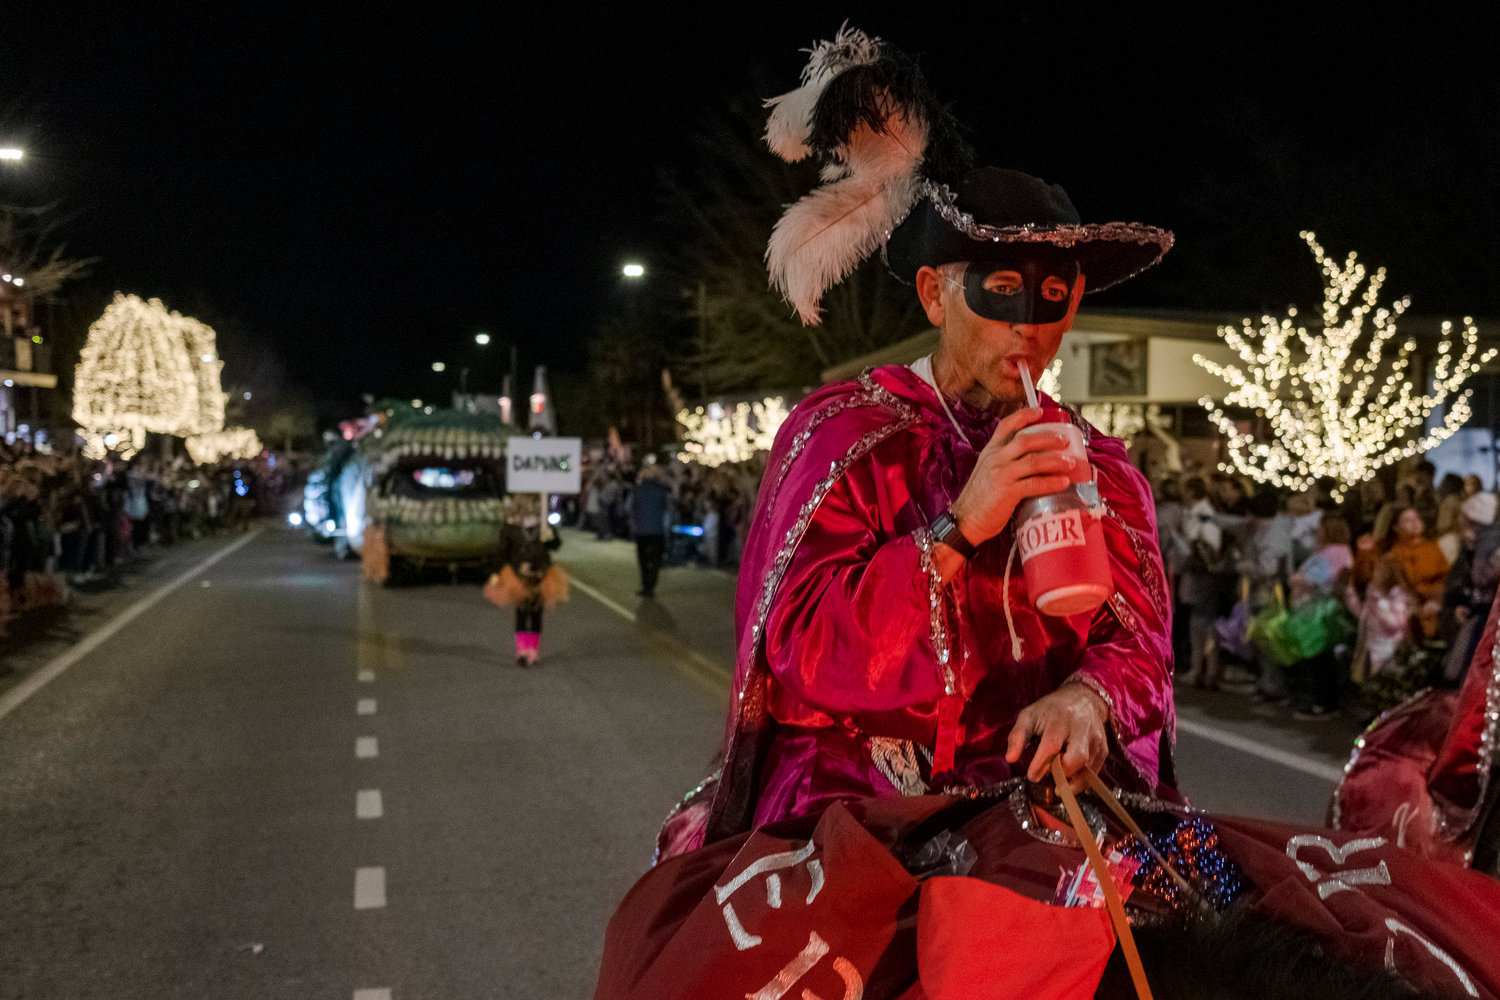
x=369, y=888
x=365, y=706
x=366, y=747
x=367, y=677
x=380, y=994
x=368, y=804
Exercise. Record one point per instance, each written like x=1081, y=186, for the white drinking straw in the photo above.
x=1026, y=384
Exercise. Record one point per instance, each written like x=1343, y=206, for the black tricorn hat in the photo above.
x=994, y=212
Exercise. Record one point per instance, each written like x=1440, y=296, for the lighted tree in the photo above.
x=1337, y=400
x=231, y=442
x=146, y=369
x=203, y=352
x=714, y=435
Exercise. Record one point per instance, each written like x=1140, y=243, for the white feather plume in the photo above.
x=823, y=237
x=790, y=121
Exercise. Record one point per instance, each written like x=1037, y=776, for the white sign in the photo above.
x=543, y=465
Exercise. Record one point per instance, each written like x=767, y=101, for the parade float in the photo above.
x=415, y=490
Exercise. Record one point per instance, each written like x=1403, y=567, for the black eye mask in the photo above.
x=1025, y=304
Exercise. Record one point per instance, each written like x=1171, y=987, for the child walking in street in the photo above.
x=526, y=576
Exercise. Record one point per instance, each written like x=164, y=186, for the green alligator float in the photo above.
x=433, y=492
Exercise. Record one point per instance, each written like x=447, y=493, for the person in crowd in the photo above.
x=526, y=546
x=1360, y=505
x=1171, y=539
x=1306, y=514
x=1325, y=572
x=650, y=504
x=1469, y=589
x=593, y=505
x=1229, y=494
x=1264, y=537
x=1448, y=529
x=1374, y=543
x=1386, y=614
x=1424, y=496
x=1207, y=586
x=1422, y=564
x=1322, y=577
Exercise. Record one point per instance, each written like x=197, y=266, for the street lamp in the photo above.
x=438, y=366
x=482, y=339
x=633, y=271
x=11, y=153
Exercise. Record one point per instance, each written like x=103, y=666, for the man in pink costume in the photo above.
x=887, y=642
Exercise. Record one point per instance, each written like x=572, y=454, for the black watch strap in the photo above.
x=945, y=529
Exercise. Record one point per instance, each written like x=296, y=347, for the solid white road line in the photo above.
x=694, y=663
x=62, y=661
x=366, y=747
x=380, y=994
x=1264, y=751
x=611, y=605
x=368, y=804
x=369, y=888
x=367, y=677
x=365, y=706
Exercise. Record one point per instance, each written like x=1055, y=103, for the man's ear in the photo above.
x=930, y=293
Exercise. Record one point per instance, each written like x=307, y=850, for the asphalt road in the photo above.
x=251, y=775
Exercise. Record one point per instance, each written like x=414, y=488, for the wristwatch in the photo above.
x=945, y=529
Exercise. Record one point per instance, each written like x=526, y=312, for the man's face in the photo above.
x=1023, y=309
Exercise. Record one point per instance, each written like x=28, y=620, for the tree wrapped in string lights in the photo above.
x=1337, y=402
x=146, y=369
x=231, y=442
x=715, y=435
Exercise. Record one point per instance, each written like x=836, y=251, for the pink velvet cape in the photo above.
x=845, y=635
x=1422, y=774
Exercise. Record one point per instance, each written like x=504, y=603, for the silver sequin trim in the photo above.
x=1020, y=805
x=936, y=610
x=874, y=395
x=804, y=517
x=1491, y=729
x=1453, y=826
x=946, y=203
x=1152, y=582
x=1094, y=686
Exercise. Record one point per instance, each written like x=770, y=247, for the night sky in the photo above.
x=364, y=188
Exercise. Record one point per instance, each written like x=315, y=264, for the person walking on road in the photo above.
x=649, y=502
x=526, y=576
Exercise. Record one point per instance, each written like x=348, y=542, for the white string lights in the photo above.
x=714, y=435
x=231, y=442
x=146, y=369
x=1338, y=402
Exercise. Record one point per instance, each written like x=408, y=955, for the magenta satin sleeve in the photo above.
x=849, y=631
x=1128, y=656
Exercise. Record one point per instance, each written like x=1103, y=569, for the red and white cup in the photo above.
x=1060, y=539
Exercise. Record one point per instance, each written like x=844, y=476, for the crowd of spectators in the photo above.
x=68, y=521
x=707, y=515
x=1321, y=602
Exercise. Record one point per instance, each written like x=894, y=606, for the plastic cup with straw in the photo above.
x=1026, y=384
